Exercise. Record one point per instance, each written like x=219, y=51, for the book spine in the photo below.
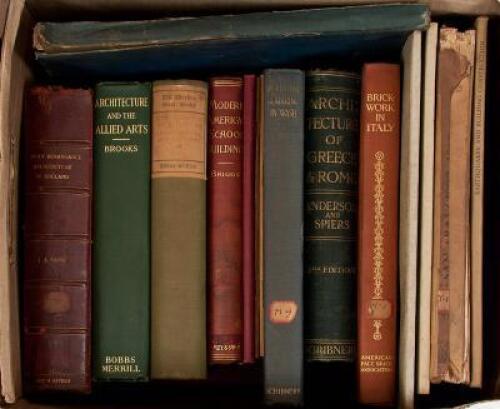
x=378, y=233
x=248, y=208
x=224, y=220
x=178, y=233
x=265, y=27
x=477, y=202
x=259, y=216
x=246, y=41
x=283, y=233
x=121, y=265
x=330, y=214
x=426, y=211
x=409, y=190
x=450, y=314
x=57, y=234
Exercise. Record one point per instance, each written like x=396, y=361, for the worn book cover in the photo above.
x=378, y=234
x=57, y=239
x=121, y=262
x=224, y=220
x=178, y=230
x=177, y=45
x=450, y=314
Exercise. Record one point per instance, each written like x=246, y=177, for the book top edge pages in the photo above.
x=225, y=42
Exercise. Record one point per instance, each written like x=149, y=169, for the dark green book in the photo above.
x=121, y=267
x=330, y=195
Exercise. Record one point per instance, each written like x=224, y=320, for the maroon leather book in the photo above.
x=57, y=236
x=224, y=220
x=248, y=204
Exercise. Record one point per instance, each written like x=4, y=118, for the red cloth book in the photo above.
x=378, y=233
x=248, y=198
x=224, y=220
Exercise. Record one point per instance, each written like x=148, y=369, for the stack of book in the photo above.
x=89, y=163
x=242, y=197
x=451, y=240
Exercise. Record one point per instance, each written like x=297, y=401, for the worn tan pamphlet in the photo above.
x=450, y=317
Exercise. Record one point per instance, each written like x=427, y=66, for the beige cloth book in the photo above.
x=408, y=210
x=477, y=194
x=426, y=211
x=450, y=319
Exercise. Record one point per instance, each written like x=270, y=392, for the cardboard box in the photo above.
x=16, y=72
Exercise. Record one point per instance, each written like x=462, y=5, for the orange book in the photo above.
x=378, y=233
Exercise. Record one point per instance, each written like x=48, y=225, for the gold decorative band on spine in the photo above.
x=227, y=82
x=378, y=237
x=334, y=73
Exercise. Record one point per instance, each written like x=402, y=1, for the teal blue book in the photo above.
x=121, y=250
x=246, y=41
x=283, y=135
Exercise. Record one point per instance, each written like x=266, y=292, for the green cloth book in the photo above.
x=121, y=267
x=178, y=230
x=222, y=43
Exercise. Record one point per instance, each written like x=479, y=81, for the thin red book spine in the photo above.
x=224, y=220
x=249, y=106
x=378, y=234
x=57, y=239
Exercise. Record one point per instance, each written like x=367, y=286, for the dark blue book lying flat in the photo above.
x=222, y=43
